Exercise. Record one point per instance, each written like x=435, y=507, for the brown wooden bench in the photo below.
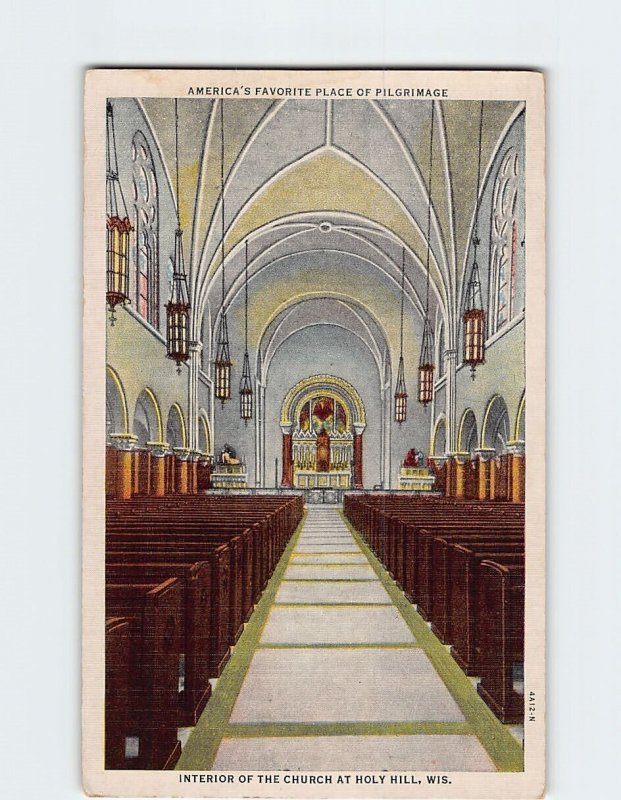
x=197, y=641
x=156, y=614
x=500, y=641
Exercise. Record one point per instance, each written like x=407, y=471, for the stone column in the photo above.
x=158, y=481
x=193, y=458
x=357, y=476
x=450, y=357
x=287, y=455
x=196, y=349
x=486, y=470
x=385, y=445
x=459, y=460
x=517, y=475
x=181, y=468
x=124, y=444
x=259, y=449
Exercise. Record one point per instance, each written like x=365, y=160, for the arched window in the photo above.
x=504, y=227
x=146, y=219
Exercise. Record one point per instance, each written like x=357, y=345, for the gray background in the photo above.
x=44, y=48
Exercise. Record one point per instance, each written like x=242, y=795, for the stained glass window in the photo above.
x=146, y=213
x=504, y=239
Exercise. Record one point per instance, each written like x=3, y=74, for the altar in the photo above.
x=336, y=479
x=322, y=423
x=416, y=479
x=229, y=476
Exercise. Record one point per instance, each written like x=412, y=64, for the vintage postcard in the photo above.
x=314, y=553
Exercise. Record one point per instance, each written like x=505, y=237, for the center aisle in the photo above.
x=336, y=671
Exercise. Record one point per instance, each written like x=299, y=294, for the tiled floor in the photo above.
x=336, y=671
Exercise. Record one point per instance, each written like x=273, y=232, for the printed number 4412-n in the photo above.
x=531, y=706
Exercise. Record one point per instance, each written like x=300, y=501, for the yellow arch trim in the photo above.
x=121, y=391
x=518, y=419
x=322, y=381
x=486, y=417
x=202, y=419
x=319, y=392
x=440, y=421
x=461, y=427
x=177, y=408
x=158, y=413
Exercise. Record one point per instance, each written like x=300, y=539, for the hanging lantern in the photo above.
x=245, y=385
x=223, y=363
x=474, y=322
x=178, y=309
x=401, y=396
x=245, y=392
x=474, y=315
x=118, y=227
x=425, y=366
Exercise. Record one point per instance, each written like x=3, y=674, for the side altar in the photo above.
x=414, y=476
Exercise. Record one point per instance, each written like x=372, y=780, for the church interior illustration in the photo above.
x=315, y=434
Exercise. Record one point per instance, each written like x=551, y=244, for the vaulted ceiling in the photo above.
x=328, y=194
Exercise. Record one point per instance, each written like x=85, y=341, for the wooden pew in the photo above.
x=156, y=614
x=462, y=563
x=220, y=636
x=170, y=542
x=195, y=689
x=443, y=548
x=500, y=641
x=118, y=670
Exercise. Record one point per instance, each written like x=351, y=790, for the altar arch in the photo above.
x=341, y=465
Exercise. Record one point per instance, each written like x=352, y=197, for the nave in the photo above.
x=335, y=670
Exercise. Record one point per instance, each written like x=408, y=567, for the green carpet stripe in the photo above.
x=202, y=746
x=330, y=580
x=261, y=729
x=502, y=747
x=333, y=605
x=337, y=645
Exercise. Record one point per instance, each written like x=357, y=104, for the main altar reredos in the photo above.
x=322, y=424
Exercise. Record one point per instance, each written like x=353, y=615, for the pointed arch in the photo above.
x=147, y=421
x=116, y=401
x=467, y=436
x=205, y=441
x=176, y=434
x=438, y=438
x=518, y=431
x=496, y=431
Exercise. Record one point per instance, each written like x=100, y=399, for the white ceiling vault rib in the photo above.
x=329, y=110
x=210, y=276
x=237, y=285
x=334, y=323
x=271, y=112
x=409, y=285
x=290, y=305
x=417, y=171
x=452, y=274
x=200, y=183
x=210, y=273
x=376, y=151
x=316, y=310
